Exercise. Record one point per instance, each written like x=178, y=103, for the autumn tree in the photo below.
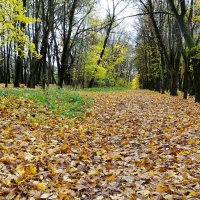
x=110, y=24
x=191, y=43
x=12, y=24
x=171, y=41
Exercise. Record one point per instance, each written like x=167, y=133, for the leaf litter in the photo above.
x=130, y=145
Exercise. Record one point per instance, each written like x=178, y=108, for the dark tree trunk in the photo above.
x=174, y=83
x=91, y=83
x=19, y=60
x=185, y=84
x=66, y=48
x=34, y=64
x=190, y=42
x=18, y=68
x=186, y=76
x=196, y=68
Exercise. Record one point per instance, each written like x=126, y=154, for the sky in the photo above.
x=128, y=23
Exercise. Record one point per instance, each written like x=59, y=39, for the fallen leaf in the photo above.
x=162, y=188
x=20, y=170
x=40, y=185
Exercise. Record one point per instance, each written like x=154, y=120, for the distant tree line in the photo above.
x=63, y=42
x=167, y=52
x=66, y=43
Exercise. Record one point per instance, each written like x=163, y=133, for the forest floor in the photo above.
x=129, y=145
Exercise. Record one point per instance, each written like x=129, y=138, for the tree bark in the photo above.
x=191, y=44
x=19, y=60
x=66, y=48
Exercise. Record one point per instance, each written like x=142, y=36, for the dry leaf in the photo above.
x=40, y=186
x=162, y=188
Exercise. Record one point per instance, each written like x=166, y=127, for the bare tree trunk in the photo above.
x=19, y=60
x=66, y=48
x=191, y=44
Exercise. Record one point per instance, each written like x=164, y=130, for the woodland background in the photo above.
x=67, y=42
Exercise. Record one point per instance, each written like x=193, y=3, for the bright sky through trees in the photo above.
x=129, y=23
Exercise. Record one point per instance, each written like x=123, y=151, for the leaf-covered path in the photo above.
x=130, y=145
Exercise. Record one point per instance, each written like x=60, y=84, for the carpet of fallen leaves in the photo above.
x=130, y=145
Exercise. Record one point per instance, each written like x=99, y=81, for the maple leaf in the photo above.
x=162, y=188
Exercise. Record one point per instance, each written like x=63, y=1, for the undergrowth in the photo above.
x=106, y=89
x=61, y=102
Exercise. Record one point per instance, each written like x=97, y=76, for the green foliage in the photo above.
x=121, y=82
x=61, y=102
x=195, y=51
x=197, y=56
x=106, y=89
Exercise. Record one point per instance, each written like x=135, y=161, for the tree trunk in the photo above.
x=174, y=83
x=191, y=44
x=19, y=60
x=66, y=48
x=196, y=68
x=18, y=68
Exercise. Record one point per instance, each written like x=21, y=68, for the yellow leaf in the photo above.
x=98, y=153
x=16, y=198
x=191, y=141
x=152, y=173
x=3, y=147
x=145, y=192
x=162, y=188
x=32, y=170
x=112, y=177
x=193, y=193
x=20, y=170
x=118, y=156
x=93, y=172
x=65, y=196
x=184, y=152
x=40, y=186
x=85, y=156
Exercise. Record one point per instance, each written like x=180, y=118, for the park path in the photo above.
x=130, y=145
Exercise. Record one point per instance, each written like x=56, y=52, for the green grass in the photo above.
x=64, y=103
x=106, y=89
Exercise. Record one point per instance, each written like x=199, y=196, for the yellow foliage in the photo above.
x=12, y=15
x=135, y=82
x=197, y=18
x=113, y=56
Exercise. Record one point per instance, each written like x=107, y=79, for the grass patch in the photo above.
x=64, y=103
x=106, y=89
